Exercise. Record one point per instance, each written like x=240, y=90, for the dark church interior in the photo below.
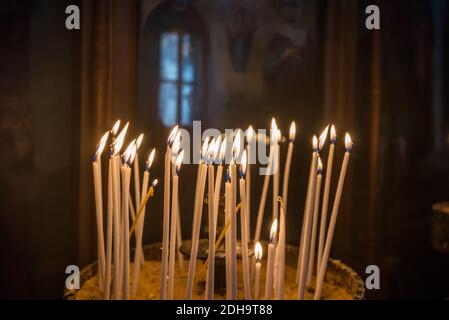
x=228, y=64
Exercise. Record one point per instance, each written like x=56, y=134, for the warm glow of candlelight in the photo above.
x=132, y=154
x=258, y=251
x=127, y=154
x=115, y=127
x=150, y=160
x=292, y=134
x=315, y=143
x=223, y=150
x=250, y=134
x=155, y=182
x=176, y=145
x=101, y=144
x=179, y=161
x=236, y=146
x=274, y=230
x=210, y=151
x=273, y=124
x=172, y=135
x=118, y=142
x=139, y=141
x=333, y=134
x=243, y=164
x=215, y=149
x=205, y=148
x=323, y=137
x=348, y=142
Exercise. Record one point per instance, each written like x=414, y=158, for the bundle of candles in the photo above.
x=230, y=159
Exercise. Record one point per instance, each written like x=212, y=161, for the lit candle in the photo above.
x=315, y=221
x=166, y=219
x=196, y=224
x=116, y=147
x=137, y=173
x=280, y=256
x=173, y=230
x=309, y=216
x=275, y=136
x=258, y=255
x=233, y=169
x=327, y=185
x=288, y=162
x=228, y=214
x=244, y=229
x=333, y=220
x=96, y=166
x=128, y=158
x=211, y=154
x=249, y=151
x=140, y=222
x=270, y=261
x=219, y=176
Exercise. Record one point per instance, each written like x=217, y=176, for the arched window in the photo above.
x=179, y=65
x=175, y=38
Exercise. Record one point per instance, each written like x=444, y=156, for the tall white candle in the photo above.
x=263, y=198
x=315, y=222
x=280, y=256
x=211, y=217
x=244, y=229
x=166, y=219
x=196, y=224
x=228, y=213
x=309, y=217
x=173, y=230
x=288, y=162
x=219, y=176
x=107, y=277
x=275, y=136
x=258, y=267
x=116, y=164
x=333, y=220
x=137, y=173
x=270, y=261
x=126, y=181
x=96, y=166
x=249, y=151
x=236, y=152
x=324, y=209
x=140, y=223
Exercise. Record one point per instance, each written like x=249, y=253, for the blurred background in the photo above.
x=229, y=64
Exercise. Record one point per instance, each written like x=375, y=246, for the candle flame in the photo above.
x=315, y=143
x=210, y=151
x=100, y=145
x=216, y=148
x=348, y=142
x=205, y=147
x=323, y=138
x=132, y=154
x=250, y=134
x=292, y=131
x=172, y=135
x=274, y=230
x=115, y=127
x=139, y=141
x=155, y=182
x=117, y=144
x=333, y=134
x=320, y=166
x=179, y=161
x=258, y=251
x=150, y=159
x=243, y=165
x=236, y=146
x=273, y=124
x=176, y=144
x=223, y=150
x=127, y=154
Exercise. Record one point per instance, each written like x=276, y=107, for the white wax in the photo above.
x=314, y=229
x=244, y=231
x=166, y=225
x=228, y=212
x=117, y=229
x=233, y=232
x=126, y=177
x=209, y=294
x=270, y=269
x=196, y=225
x=330, y=232
x=280, y=258
x=107, y=281
x=96, y=165
x=173, y=230
x=257, y=269
x=324, y=209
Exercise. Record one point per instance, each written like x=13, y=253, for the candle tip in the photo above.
x=150, y=160
x=179, y=161
x=172, y=135
x=118, y=142
x=320, y=166
x=243, y=165
x=100, y=145
x=115, y=127
x=155, y=182
x=292, y=134
x=139, y=141
x=348, y=142
x=258, y=251
x=274, y=230
x=323, y=138
x=333, y=134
